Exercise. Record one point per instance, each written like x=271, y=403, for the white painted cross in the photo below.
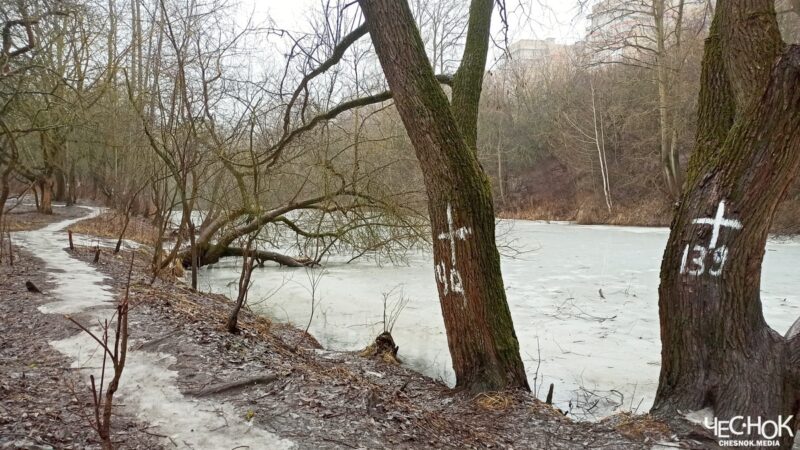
x=696, y=265
x=452, y=235
x=718, y=222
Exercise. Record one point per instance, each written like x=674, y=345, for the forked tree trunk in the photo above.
x=480, y=333
x=717, y=350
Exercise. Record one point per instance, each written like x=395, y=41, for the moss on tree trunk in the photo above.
x=480, y=332
x=717, y=350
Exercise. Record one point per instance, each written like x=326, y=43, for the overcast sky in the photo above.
x=528, y=19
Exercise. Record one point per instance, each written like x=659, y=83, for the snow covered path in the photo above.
x=149, y=389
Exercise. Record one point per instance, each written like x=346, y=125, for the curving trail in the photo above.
x=148, y=389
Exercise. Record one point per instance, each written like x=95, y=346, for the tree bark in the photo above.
x=480, y=332
x=212, y=253
x=468, y=80
x=46, y=201
x=244, y=287
x=5, y=190
x=717, y=350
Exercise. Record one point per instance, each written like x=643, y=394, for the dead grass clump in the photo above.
x=593, y=211
x=639, y=427
x=494, y=401
x=652, y=213
x=110, y=224
x=368, y=351
x=383, y=348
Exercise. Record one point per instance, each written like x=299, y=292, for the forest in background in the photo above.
x=544, y=121
x=128, y=103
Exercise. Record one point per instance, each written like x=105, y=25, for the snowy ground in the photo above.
x=602, y=354
x=149, y=388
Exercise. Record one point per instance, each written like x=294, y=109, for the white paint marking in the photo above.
x=698, y=261
x=441, y=276
x=453, y=234
x=684, y=258
x=719, y=254
x=718, y=222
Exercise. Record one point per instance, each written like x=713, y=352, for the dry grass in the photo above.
x=653, y=213
x=109, y=225
x=549, y=211
x=494, y=401
x=27, y=218
x=639, y=427
x=595, y=212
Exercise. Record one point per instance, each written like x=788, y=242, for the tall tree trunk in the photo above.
x=501, y=175
x=46, y=188
x=60, y=188
x=72, y=192
x=480, y=332
x=5, y=190
x=717, y=350
x=468, y=79
x=669, y=157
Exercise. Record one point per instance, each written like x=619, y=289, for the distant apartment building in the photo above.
x=527, y=52
x=532, y=60
x=622, y=30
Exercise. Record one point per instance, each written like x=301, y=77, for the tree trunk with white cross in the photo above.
x=480, y=333
x=717, y=350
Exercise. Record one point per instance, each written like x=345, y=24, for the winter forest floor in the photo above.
x=303, y=396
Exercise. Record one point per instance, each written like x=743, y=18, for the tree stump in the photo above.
x=383, y=348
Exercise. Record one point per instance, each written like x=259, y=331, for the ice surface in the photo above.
x=602, y=354
x=148, y=388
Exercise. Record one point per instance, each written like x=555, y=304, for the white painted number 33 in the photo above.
x=696, y=261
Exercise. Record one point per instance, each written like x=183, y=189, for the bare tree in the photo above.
x=650, y=34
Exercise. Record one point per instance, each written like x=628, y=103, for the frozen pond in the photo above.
x=602, y=352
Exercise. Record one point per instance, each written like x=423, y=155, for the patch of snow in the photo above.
x=700, y=416
x=78, y=286
x=666, y=445
x=148, y=388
